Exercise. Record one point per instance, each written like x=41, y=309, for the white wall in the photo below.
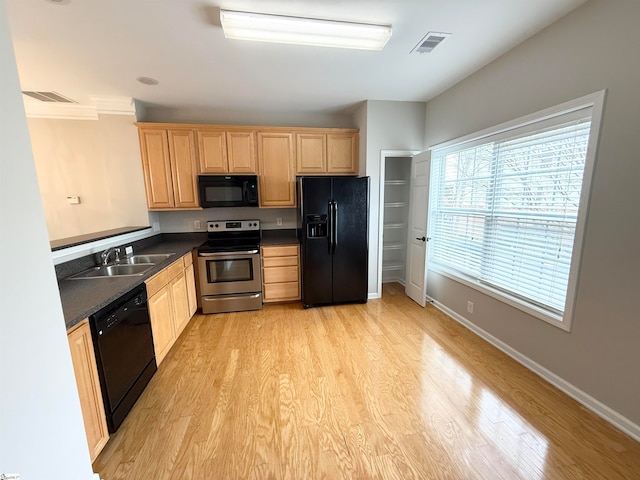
x=360, y=122
x=389, y=126
x=593, y=48
x=235, y=117
x=41, y=429
x=98, y=160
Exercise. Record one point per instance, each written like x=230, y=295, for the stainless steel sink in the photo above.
x=109, y=271
x=151, y=258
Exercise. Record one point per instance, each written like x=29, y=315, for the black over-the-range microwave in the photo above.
x=228, y=190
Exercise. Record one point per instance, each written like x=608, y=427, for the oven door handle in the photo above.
x=228, y=254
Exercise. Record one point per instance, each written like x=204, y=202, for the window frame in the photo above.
x=595, y=101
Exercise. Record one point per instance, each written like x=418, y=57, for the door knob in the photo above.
x=424, y=239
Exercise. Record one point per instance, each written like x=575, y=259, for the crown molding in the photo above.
x=64, y=111
x=103, y=105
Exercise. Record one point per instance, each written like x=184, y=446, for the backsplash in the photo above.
x=185, y=221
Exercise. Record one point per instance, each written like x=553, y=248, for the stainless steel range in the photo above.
x=229, y=267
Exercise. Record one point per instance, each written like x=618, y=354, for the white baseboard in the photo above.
x=597, y=407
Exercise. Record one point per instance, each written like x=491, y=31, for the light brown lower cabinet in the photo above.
x=86, y=372
x=170, y=307
x=280, y=273
x=192, y=298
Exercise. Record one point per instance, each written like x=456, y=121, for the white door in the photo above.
x=416, y=281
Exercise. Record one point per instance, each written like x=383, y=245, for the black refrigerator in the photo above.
x=333, y=227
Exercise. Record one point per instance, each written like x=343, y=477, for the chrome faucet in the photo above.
x=105, y=255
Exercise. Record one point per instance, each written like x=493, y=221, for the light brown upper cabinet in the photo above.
x=182, y=154
x=174, y=154
x=242, y=151
x=226, y=152
x=332, y=153
x=311, y=153
x=342, y=153
x=276, y=172
x=154, y=149
x=169, y=166
x=212, y=149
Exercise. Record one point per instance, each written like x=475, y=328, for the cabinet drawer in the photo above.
x=187, y=260
x=281, y=291
x=279, y=261
x=176, y=268
x=280, y=251
x=155, y=283
x=280, y=274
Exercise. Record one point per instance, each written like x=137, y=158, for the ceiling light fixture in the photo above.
x=147, y=81
x=303, y=31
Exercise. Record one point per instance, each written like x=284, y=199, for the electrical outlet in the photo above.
x=469, y=307
x=128, y=250
x=279, y=221
x=197, y=224
x=156, y=226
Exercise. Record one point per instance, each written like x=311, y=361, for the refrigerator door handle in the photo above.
x=335, y=225
x=330, y=225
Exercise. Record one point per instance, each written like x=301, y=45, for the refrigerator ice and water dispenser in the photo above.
x=316, y=226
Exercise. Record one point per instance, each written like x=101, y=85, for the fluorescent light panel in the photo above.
x=303, y=31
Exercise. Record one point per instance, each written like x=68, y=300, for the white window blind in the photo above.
x=504, y=208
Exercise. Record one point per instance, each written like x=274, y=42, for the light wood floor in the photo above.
x=381, y=390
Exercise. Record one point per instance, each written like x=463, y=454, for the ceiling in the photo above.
x=81, y=48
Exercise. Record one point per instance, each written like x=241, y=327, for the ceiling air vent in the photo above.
x=48, y=97
x=430, y=41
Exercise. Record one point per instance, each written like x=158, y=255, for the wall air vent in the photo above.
x=48, y=97
x=430, y=41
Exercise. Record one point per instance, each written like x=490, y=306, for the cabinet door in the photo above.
x=161, y=313
x=311, y=153
x=183, y=168
x=342, y=153
x=192, y=297
x=180, y=303
x=276, y=170
x=154, y=149
x=86, y=372
x=242, y=152
x=212, y=149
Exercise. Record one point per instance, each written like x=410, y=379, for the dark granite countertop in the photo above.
x=82, y=298
x=279, y=237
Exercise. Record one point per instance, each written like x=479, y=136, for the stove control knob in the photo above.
x=216, y=225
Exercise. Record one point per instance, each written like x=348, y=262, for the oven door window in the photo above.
x=234, y=270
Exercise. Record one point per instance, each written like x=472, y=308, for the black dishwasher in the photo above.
x=126, y=360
